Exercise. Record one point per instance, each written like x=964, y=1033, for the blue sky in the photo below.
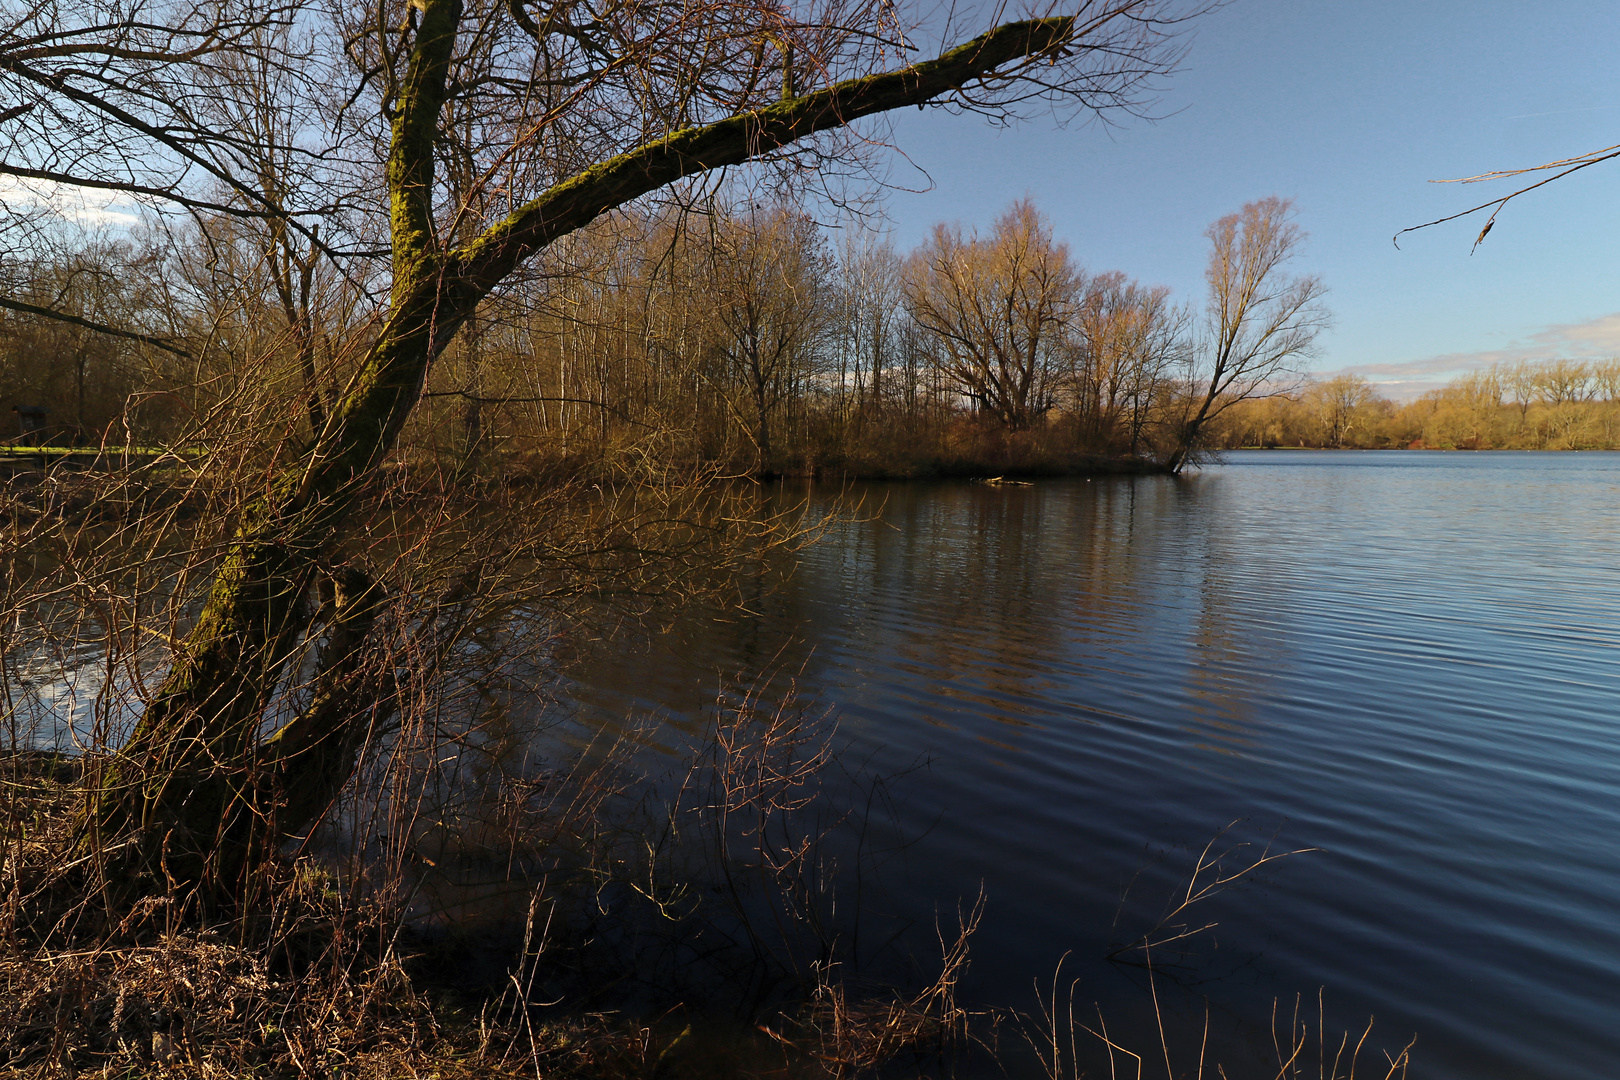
x=1350, y=107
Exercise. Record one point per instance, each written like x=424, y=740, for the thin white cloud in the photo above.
x=1593, y=339
x=82, y=206
x=1558, y=112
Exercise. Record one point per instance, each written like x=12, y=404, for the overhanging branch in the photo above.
x=101, y=328
x=576, y=202
x=1564, y=167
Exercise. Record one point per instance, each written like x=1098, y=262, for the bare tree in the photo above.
x=1339, y=403
x=1518, y=378
x=770, y=291
x=1130, y=338
x=1262, y=320
x=870, y=315
x=68, y=365
x=996, y=311
x=1606, y=379
x=1562, y=381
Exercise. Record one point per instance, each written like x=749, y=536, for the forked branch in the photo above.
x=1207, y=878
x=1564, y=167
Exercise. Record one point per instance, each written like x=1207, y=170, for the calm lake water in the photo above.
x=1409, y=661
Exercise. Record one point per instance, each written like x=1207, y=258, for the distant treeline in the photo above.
x=1525, y=405
x=729, y=332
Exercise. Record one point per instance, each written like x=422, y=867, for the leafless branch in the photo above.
x=1564, y=167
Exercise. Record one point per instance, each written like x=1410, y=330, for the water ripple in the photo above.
x=1409, y=661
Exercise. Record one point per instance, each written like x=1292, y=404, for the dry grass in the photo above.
x=1303, y=1045
x=857, y=1035
x=326, y=976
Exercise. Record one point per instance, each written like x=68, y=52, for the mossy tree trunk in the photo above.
x=197, y=793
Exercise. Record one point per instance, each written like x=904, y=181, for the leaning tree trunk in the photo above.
x=1190, y=430
x=196, y=796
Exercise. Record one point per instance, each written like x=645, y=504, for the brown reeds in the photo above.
x=1304, y=1046
x=1057, y=1033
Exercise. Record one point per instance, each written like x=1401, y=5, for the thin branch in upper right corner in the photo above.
x=1564, y=167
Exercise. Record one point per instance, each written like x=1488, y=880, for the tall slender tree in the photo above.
x=769, y=285
x=1262, y=320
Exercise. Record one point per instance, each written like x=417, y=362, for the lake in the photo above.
x=1409, y=662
